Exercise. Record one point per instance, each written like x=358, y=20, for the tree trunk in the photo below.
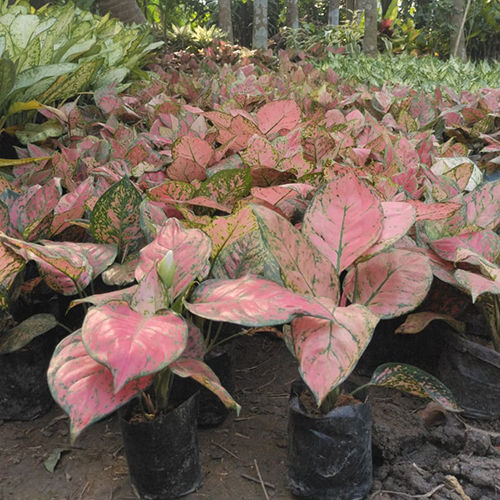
x=351, y=6
x=333, y=12
x=292, y=13
x=126, y=11
x=260, y=32
x=225, y=18
x=457, y=40
x=370, y=36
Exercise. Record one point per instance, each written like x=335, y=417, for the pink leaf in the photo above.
x=343, y=220
x=191, y=248
x=434, y=211
x=328, y=351
x=476, y=284
x=197, y=369
x=485, y=243
x=260, y=153
x=304, y=269
x=483, y=205
x=131, y=345
x=251, y=301
x=83, y=387
x=277, y=116
x=100, y=299
x=390, y=284
x=193, y=149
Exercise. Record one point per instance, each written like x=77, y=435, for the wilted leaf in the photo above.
x=23, y=333
x=416, y=322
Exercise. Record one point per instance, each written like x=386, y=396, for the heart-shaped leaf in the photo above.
x=251, y=301
x=276, y=116
x=415, y=381
x=343, y=220
x=390, y=284
x=84, y=388
x=328, y=351
x=131, y=345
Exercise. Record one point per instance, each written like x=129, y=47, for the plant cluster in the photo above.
x=252, y=196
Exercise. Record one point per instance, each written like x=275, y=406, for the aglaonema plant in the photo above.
x=134, y=340
x=343, y=258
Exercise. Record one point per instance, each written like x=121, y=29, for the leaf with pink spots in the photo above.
x=483, y=205
x=278, y=116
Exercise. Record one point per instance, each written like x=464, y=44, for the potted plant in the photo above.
x=135, y=339
x=346, y=233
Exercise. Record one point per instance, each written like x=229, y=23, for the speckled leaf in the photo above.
x=390, y=284
x=433, y=211
x=476, y=284
x=399, y=217
x=197, y=369
x=328, y=351
x=151, y=219
x=99, y=299
x=132, y=345
x=260, y=153
x=84, y=388
x=415, y=381
x=343, y=220
x=193, y=149
x=483, y=205
x=485, y=267
x=278, y=115
x=63, y=270
x=239, y=249
x=251, y=301
x=121, y=274
x=191, y=247
x=23, y=333
x=304, y=269
x=227, y=187
x=172, y=192
x=115, y=217
x=416, y=322
x=10, y=266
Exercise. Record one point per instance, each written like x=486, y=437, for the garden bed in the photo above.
x=411, y=460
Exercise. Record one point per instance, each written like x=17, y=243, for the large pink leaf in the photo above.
x=83, y=387
x=191, y=157
x=483, y=205
x=328, y=351
x=64, y=270
x=304, y=269
x=390, y=284
x=278, y=116
x=399, y=217
x=197, y=369
x=191, y=247
x=131, y=345
x=485, y=243
x=476, y=284
x=172, y=192
x=251, y=301
x=343, y=221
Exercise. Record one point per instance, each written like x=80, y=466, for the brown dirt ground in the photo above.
x=411, y=459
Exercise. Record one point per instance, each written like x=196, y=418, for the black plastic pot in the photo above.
x=24, y=393
x=163, y=454
x=211, y=411
x=472, y=372
x=330, y=456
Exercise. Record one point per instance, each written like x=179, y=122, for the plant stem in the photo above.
x=329, y=402
x=163, y=384
x=360, y=388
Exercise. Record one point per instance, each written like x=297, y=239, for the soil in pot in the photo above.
x=162, y=453
x=24, y=393
x=472, y=372
x=211, y=411
x=329, y=456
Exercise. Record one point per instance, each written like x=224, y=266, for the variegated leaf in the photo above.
x=277, y=116
x=121, y=295
x=151, y=218
x=83, y=387
x=191, y=247
x=172, y=192
x=475, y=284
x=251, y=301
x=343, y=220
x=197, y=369
x=414, y=381
x=390, y=284
x=115, y=217
x=132, y=345
x=328, y=351
x=483, y=206
x=304, y=269
x=416, y=322
x=434, y=211
x=10, y=266
x=121, y=274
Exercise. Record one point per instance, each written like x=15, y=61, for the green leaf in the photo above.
x=34, y=75
x=38, y=132
x=115, y=218
x=25, y=332
x=7, y=77
x=22, y=29
x=414, y=381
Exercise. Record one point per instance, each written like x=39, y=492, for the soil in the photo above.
x=419, y=451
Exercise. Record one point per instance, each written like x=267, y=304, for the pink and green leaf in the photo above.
x=414, y=381
x=278, y=116
x=10, y=266
x=115, y=217
x=132, y=345
x=476, y=284
x=343, y=220
x=483, y=206
x=390, y=284
x=251, y=301
x=83, y=387
x=328, y=350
